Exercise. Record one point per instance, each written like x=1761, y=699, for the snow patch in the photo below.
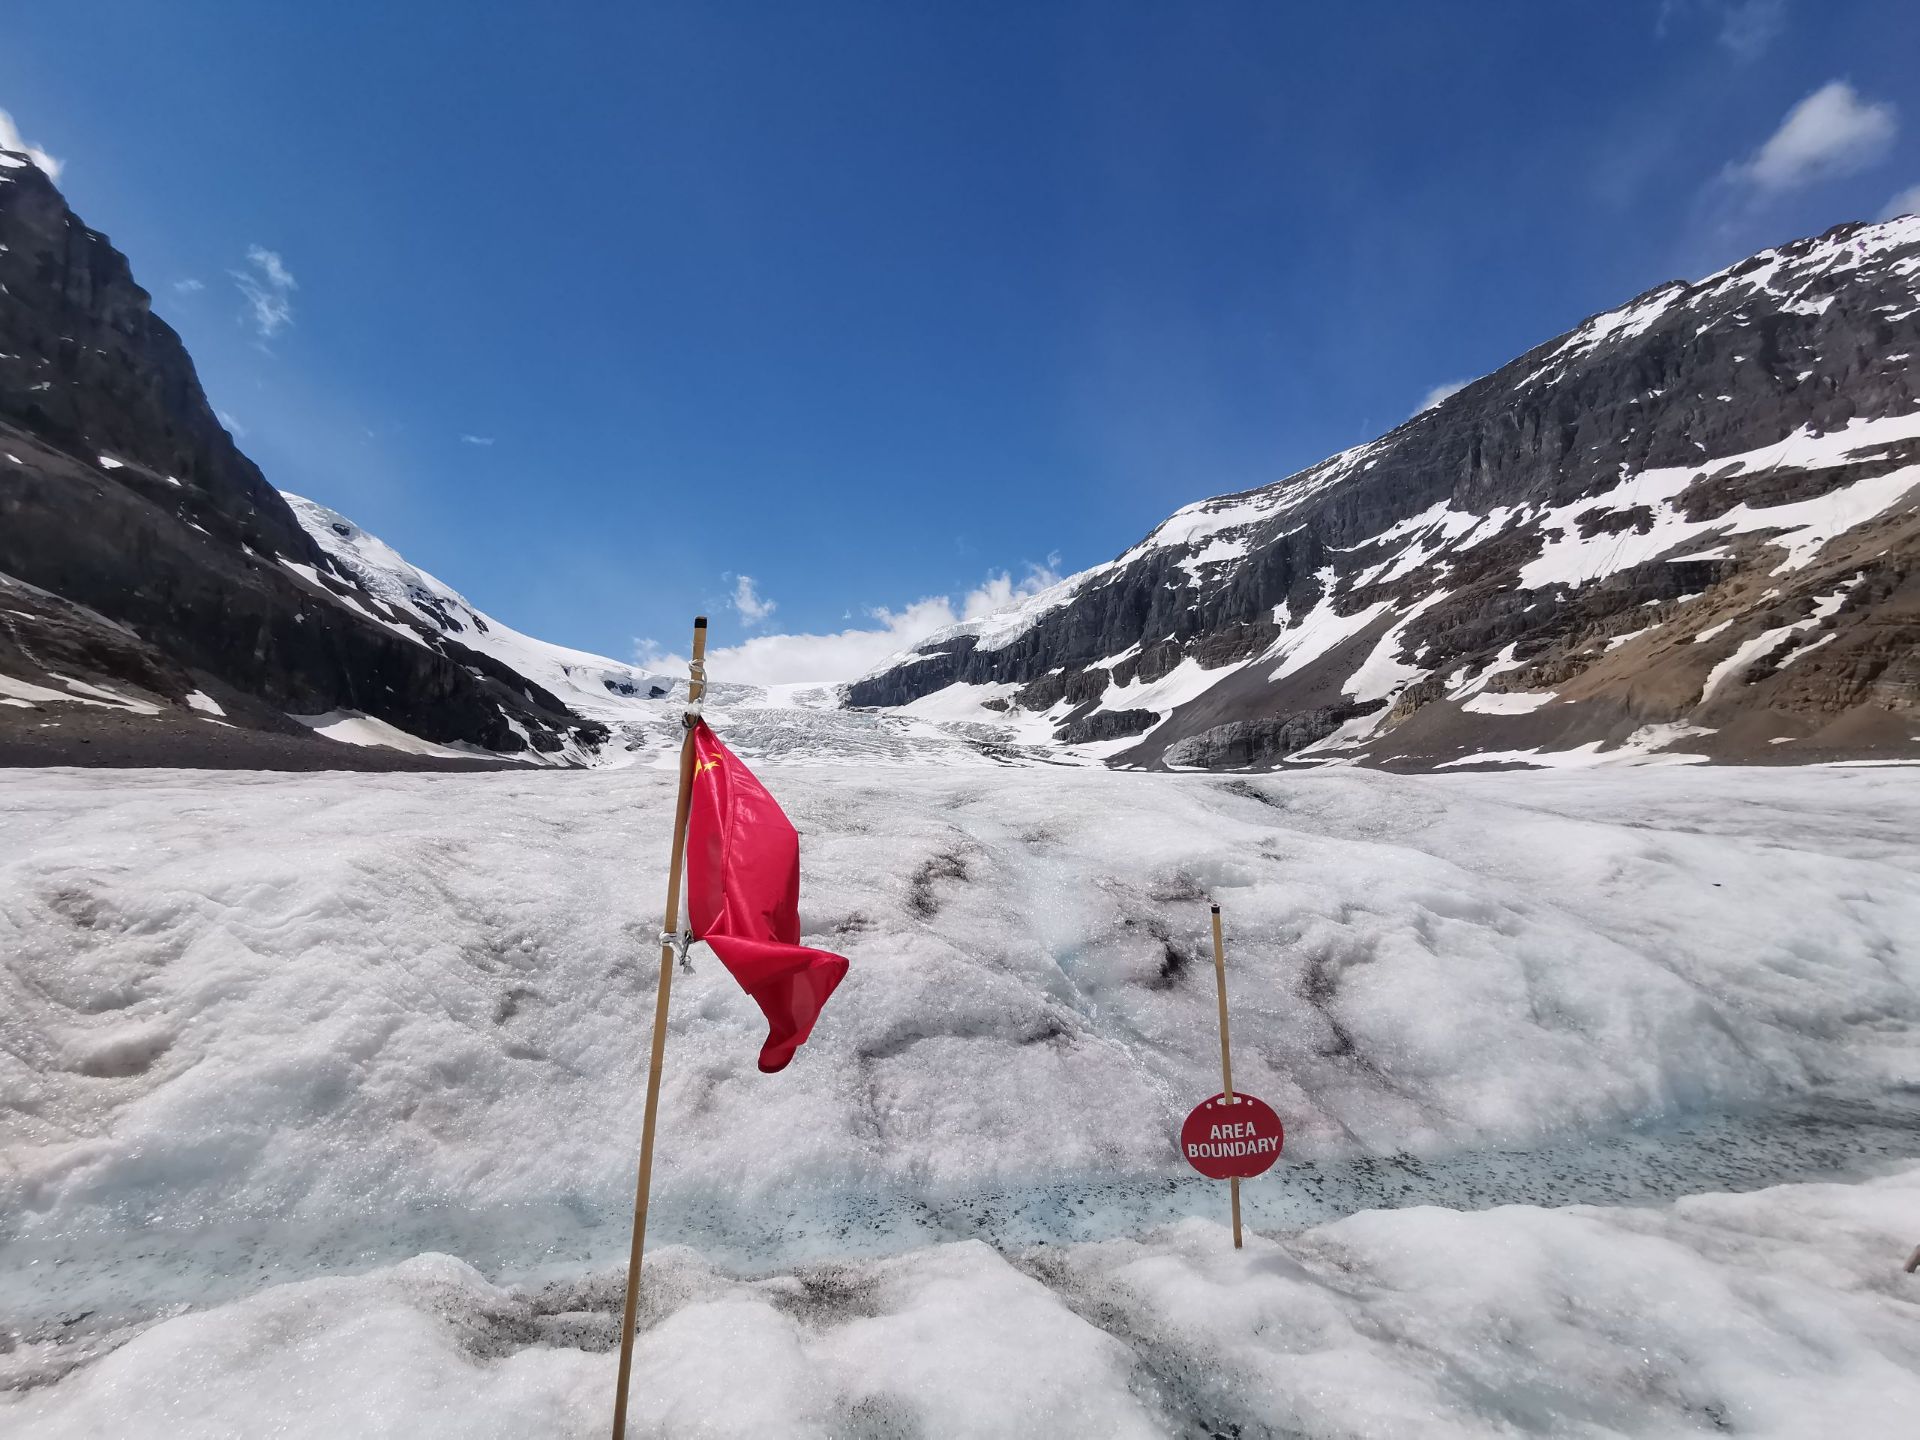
x=350, y=727
x=1752, y=649
x=1508, y=702
x=1646, y=746
x=78, y=692
x=1320, y=630
x=1566, y=558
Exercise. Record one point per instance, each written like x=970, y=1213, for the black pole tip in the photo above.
x=1216, y=909
x=699, y=622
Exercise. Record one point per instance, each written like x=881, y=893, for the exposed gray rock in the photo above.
x=126, y=496
x=1242, y=743
x=1106, y=725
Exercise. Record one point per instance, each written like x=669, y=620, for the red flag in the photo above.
x=743, y=897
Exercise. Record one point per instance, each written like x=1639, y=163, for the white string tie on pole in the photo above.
x=677, y=942
x=696, y=689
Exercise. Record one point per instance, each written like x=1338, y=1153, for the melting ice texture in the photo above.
x=239, y=1009
x=1777, y=1313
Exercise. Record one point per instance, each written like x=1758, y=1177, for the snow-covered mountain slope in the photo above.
x=1689, y=526
x=591, y=685
x=640, y=709
x=266, y=1029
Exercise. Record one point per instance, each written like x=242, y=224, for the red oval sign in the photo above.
x=1232, y=1141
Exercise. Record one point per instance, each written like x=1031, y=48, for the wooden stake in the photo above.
x=1226, y=1052
x=696, y=687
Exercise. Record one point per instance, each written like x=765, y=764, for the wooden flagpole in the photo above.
x=1226, y=1052
x=696, y=687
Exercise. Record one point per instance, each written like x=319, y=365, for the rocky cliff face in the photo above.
x=145, y=556
x=1688, y=524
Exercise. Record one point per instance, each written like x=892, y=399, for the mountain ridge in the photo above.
x=1500, y=540
x=1682, y=530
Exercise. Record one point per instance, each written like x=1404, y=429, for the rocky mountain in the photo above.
x=593, y=687
x=150, y=574
x=641, y=710
x=1687, y=528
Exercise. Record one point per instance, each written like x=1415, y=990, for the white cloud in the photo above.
x=1748, y=29
x=1000, y=591
x=10, y=139
x=189, y=286
x=268, y=287
x=1831, y=132
x=1439, y=393
x=270, y=266
x=752, y=605
x=817, y=659
x=1907, y=202
x=848, y=654
x=476, y=439
x=234, y=427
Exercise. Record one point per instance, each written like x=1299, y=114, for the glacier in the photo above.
x=319, y=1100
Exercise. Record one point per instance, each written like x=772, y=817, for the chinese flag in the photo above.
x=743, y=897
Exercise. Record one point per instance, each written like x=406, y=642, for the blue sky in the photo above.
x=594, y=310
